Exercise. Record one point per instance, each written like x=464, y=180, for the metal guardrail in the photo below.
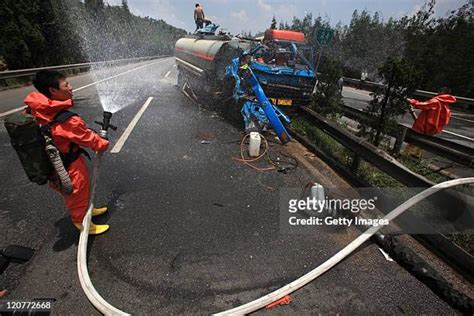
x=450, y=150
x=371, y=85
x=9, y=74
x=444, y=148
x=367, y=151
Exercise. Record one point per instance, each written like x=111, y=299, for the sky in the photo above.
x=256, y=15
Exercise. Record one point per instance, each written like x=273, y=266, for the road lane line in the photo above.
x=458, y=135
x=167, y=74
x=118, y=146
x=445, y=131
x=11, y=111
x=118, y=75
x=88, y=85
x=356, y=92
x=461, y=119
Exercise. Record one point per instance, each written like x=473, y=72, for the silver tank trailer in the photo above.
x=207, y=56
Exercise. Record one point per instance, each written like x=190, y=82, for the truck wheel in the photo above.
x=181, y=78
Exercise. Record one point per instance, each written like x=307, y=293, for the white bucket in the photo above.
x=317, y=194
x=254, y=146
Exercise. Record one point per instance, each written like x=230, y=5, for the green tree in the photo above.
x=20, y=36
x=401, y=79
x=50, y=32
x=273, y=26
x=327, y=99
x=367, y=42
x=125, y=5
x=439, y=48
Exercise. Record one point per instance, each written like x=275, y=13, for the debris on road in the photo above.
x=286, y=300
x=386, y=256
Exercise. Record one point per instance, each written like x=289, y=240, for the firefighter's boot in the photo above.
x=99, y=211
x=94, y=229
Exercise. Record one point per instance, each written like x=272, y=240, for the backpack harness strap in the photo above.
x=72, y=155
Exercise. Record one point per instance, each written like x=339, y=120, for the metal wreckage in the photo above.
x=248, y=79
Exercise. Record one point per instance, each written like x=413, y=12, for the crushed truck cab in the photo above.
x=285, y=68
x=280, y=64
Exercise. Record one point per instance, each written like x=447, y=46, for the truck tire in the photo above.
x=181, y=79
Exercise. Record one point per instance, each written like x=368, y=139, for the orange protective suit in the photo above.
x=434, y=114
x=74, y=130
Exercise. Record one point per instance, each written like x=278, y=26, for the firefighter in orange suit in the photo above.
x=435, y=113
x=54, y=95
x=432, y=119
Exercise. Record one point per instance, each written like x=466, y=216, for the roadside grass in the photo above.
x=465, y=241
x=422, y=167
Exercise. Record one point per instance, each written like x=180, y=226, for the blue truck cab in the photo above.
x=284, y=68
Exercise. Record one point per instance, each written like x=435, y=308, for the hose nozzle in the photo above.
x=105, y=125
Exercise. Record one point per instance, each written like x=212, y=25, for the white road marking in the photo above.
x=11, y=111
x=445, y=131
x=387, y=257
x=458, y=135
x=461, y=119
x=167, y=74
x=88, y=85
x=118, y=146
x=365, y=95
x=357, y=92
x=118, y=75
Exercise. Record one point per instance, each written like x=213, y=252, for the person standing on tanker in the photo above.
x=199, y=17
x=55, y=95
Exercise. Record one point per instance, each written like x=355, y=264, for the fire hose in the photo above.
x=338, y=257
x=107, y=309
x=94, y=297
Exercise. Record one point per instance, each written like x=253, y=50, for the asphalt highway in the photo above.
x=192, y=230
x=460, y=128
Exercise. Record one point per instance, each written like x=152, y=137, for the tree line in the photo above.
x=440, y=49
x=54, y=32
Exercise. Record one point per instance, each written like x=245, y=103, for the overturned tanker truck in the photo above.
x=249, y=78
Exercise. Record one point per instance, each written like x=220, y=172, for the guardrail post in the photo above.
x=355, y=162
x=402, y=132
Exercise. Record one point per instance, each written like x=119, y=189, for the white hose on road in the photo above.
x=107, y=309
x=331, y=262
x=94, y=297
